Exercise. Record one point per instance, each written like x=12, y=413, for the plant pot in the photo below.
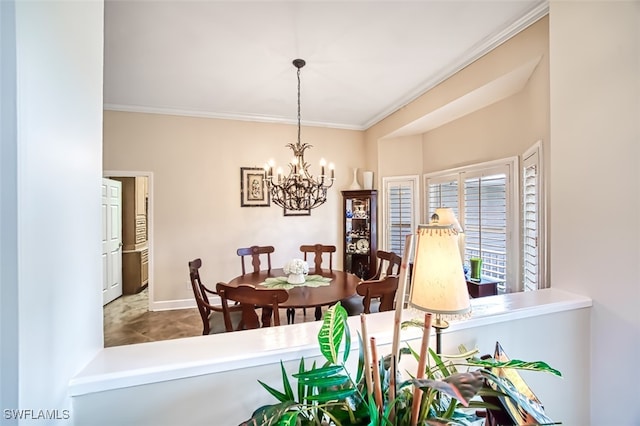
x=295, y=278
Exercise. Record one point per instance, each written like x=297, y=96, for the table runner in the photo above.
x=310, y=281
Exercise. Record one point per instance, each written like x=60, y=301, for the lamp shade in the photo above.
x=438, y=284
x=446, y=216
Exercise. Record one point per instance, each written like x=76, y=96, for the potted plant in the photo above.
x=443, y=392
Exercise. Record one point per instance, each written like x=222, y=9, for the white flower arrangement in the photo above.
x=296, y=266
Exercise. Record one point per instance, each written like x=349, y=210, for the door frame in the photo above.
x=149, y=175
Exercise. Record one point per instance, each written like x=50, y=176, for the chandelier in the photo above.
x=299, y=190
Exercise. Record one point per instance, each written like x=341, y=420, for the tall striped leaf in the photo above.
x=332, y=332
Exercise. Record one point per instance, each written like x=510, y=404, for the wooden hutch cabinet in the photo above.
x=135, y=251
x=360, y=211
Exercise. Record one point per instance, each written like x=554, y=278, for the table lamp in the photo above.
x=446, y=216
x=438, y=284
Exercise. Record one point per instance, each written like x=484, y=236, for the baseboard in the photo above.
x=168, y=305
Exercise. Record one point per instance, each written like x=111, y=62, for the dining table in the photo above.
x=326, y=290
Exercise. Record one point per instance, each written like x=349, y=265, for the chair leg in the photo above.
x=267, y=312
x=318, y=313
x=290, y=315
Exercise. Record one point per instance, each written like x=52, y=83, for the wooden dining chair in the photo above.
x=373, y=296
x=212, y=315
x=249, y=298
x=389, y=262
x=255, y=252
x=319, y=250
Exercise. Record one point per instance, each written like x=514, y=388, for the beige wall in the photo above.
x=595, y=105
x=506, y=128
x=400, y=156
x=503, y=129
x=196, y=190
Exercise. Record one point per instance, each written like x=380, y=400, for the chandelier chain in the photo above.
x=299, y=106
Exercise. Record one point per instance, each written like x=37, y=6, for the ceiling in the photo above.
x=233, y=59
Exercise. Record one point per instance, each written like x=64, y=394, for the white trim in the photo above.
x=169, y=305
x=472, y=167
x=149, y=176
x=226, y=116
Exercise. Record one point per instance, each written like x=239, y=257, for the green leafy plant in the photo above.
x=329, y=395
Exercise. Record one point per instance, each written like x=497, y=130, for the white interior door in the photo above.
x=111, y=240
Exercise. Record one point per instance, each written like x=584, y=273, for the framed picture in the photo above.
x=253, y=187
x=297, y=212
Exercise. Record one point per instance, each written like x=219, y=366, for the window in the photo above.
x=400, y=211
x=442, y=192
x=532, y=259
x=484, y=198
x=485, y=221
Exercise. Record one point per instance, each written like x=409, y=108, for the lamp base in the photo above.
x=439, y=324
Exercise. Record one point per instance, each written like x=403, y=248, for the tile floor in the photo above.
x=127, y=320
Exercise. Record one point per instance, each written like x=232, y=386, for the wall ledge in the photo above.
x=147, y=363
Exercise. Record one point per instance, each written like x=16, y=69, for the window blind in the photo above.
x=443, y=194
x=485, y=223
x=530, y=260
x=400, y=214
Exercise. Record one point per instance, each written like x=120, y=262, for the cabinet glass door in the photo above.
x=359, y=225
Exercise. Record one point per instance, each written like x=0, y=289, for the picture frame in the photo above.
x=287, y=212
x=253, y=187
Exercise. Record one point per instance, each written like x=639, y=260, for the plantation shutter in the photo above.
x=442, y=192
x=530, y=223
x=400, y=213
x=485, y=221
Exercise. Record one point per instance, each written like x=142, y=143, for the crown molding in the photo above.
x=226, y=116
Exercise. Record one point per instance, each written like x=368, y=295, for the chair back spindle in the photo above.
x=255, y=252
x=319, y=250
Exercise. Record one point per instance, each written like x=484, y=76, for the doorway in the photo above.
x=137, y=233
x=111, y=240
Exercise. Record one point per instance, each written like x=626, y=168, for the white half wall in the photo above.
x=208, y=380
